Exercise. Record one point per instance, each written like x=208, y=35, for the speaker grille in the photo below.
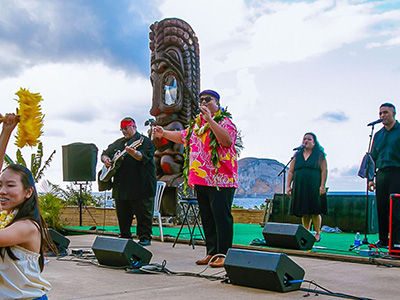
x=79, y=162
x=288, y=236
x=119, y=252
x=265, y=270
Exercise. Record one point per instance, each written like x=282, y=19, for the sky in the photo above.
x=283, y=68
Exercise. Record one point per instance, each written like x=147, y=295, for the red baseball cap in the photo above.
x=127, y=122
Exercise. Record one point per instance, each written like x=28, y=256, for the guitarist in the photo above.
x=134, y=182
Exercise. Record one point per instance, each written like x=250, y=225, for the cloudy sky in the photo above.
x=282, y=67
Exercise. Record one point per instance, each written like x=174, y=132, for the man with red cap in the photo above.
x=134, y=182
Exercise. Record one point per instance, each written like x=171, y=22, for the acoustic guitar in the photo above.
x=107, y=173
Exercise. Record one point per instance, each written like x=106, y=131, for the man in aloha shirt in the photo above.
x=213, y=171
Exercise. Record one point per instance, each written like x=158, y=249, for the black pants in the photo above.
x=388, y=182
x=215, y=212
x=142, y=209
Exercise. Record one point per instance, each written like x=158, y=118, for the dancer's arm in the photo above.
x=9, y=123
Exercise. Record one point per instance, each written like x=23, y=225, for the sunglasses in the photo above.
x=206, y=99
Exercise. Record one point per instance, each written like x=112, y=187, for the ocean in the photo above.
x=240, y=202
x=248, y=202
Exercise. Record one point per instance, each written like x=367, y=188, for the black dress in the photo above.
x=306, y=182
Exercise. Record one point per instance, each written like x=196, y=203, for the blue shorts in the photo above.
x=44, y=297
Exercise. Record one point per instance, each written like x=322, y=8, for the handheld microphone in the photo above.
x=301, y=147
x=374, y=122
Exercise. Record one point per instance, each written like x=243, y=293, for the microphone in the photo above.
x=301, y=147
x=374, y=122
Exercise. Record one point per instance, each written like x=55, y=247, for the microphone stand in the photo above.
x=283, y=171
x=365, y=240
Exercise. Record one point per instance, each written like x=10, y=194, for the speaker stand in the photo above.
x=81, y=204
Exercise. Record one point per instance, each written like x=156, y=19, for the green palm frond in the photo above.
x=45, y=166
x=20, y=158
x=8, y=159
x=36, y=160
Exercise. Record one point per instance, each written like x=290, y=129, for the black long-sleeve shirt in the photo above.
x=134, y=179
x=386, y=148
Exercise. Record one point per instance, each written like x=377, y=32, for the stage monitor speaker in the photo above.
x=263, y=270
x=288, y=236
x=79, y=162
x=59, y=240
x=119, y=252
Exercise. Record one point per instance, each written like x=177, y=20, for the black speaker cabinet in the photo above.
x=288, y=236
x=79, y=162
x=119, y=252
x=263, y=270
x=59, y=240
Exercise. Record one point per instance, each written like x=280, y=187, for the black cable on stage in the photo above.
x=161, y=269
x=325, y=291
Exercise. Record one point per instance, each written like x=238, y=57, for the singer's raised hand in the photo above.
x=158, y=131
x=205, y=112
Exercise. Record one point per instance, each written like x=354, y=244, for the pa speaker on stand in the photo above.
x=79, y=166
x=79, y=162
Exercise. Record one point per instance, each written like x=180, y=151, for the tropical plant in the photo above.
x=73, y=195
x=50, y=207
x=36, y=167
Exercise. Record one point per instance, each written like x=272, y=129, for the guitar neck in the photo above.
x=134, y=145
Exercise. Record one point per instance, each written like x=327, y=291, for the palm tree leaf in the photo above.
x=39, y=155
x=45, y=166
x=20, y=158
x=8, y=159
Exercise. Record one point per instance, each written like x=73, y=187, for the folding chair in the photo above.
x=157, y=205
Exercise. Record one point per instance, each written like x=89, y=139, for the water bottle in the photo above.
x=357, y=240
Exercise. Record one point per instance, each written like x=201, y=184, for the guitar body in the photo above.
x=107, y=173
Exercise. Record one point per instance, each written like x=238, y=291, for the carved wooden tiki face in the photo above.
x=175, y=77
x=167, y=86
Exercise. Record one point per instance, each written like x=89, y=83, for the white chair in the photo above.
x=157, y=205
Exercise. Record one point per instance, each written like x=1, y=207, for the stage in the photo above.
x=81, y=279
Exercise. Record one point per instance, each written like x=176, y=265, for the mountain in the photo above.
x=258, y=177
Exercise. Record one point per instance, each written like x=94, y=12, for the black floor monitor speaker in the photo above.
x=59, y=240
x=119, y=252
x=263, y=270
x=288, y=236
x=79, y=162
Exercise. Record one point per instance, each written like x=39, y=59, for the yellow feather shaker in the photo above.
x=31, y=118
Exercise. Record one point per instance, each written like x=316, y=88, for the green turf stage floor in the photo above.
x=244, y=234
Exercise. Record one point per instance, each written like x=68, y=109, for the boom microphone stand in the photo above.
x=368, y=178
x=283, y=171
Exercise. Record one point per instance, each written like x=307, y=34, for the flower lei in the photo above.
x=194, y=126
x=7, y=217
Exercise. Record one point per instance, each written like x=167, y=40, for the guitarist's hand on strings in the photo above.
x=134, y=153
x=106, y=160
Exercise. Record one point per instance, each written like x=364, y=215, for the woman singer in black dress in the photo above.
x=306, y=183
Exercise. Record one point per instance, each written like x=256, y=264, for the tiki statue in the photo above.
x=175, y=77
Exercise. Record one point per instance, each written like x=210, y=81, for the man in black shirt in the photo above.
x=386, y=154
x=134, y=182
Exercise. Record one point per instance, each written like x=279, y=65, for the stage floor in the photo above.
x=82, y=279
x=331, y=244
